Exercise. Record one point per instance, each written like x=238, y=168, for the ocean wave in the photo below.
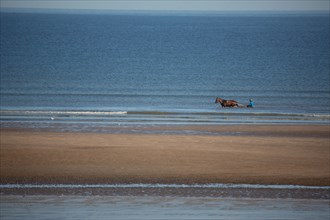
x=229, y=113
x=155, y=113
x=151, y=117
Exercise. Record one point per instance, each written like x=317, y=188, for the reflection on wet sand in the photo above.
x=157, y=207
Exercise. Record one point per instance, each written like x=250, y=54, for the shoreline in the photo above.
x=269, y=129
x=236, y=191
x=240, y=154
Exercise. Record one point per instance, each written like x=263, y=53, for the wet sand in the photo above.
x=269, y=192
x=251, y=154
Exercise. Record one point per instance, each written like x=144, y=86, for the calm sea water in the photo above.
x=149, y=69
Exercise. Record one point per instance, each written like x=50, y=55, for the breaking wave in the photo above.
x=104, y=113
x=89, y=119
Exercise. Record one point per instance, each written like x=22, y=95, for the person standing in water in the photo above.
x=251, y=105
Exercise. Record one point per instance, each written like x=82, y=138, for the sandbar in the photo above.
x=276, y=154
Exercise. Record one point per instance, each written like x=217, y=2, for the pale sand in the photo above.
x=272, y=155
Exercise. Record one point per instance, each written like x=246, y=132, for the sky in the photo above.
x=170, y=5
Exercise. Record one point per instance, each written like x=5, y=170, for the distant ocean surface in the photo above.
x=106, y=69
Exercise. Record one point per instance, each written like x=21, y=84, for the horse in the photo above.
x=227, y=103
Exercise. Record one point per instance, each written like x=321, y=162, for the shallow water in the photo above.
x=82, y=69
x=156, y=207
x=79, y=120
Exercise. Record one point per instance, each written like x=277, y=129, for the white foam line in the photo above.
x=88, y=112
x=35, y=112
x=219, y=186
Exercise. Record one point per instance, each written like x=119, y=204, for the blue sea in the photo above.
x=146, y=69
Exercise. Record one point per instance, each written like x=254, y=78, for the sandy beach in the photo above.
x=255, y=154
